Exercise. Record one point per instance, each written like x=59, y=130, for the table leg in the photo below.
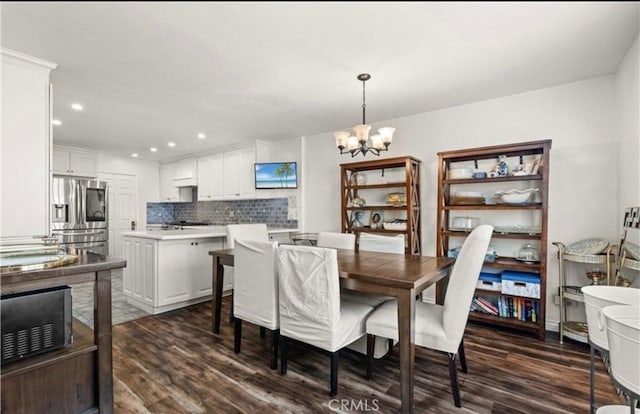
x=216, y=283
x=406, y=333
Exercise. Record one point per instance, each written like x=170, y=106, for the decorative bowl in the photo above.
x=394, y=226
x=459, y=173
x=464, y=223
x=397, y=199
x=515, y=196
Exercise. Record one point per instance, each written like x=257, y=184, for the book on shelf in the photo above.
x=484, y=303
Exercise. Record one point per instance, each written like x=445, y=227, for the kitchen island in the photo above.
x=76, y=378
x=170, y=269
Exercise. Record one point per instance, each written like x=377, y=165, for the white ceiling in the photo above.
x=149, y=73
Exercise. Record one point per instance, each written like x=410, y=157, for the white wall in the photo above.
x=578, y=117
x=627, y=91
x=148, y=174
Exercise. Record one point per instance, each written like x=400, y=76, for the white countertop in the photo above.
x=201, y=232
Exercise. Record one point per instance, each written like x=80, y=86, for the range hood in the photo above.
x=186, y=174
x=185, y=182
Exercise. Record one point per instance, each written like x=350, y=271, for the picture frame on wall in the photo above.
x=377, y=218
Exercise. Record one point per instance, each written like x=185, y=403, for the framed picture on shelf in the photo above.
x=360, y=218
x=377, y=218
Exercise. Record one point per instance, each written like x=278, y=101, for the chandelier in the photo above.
x=361, y=143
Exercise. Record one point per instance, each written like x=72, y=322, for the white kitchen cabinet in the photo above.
x=202, y=272
x=138, y=280
x=175, y=260
x=211, y=177
x=186, y=173
x=25, y=145
x=239, y=173
x=168, y=191
x=74, y=163
x=162, y=275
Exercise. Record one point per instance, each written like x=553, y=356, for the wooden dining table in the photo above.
x=397, y=275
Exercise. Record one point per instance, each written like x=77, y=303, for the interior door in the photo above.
x=123, y=190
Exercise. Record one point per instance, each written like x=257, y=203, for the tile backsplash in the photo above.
x=272, y=211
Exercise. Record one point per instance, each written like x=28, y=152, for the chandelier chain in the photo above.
x=364, y=105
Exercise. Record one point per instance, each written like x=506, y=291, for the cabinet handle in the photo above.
x=196, y=243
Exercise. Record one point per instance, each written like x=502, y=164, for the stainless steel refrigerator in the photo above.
x=80, y=213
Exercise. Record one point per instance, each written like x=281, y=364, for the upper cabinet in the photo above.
x=211, y=177
x=74, y=162
x=227, y=176
x=239, y=173
x=186, y=173
x=168, y=190
x=25, y=145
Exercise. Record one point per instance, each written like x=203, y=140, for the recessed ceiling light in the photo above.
x=56, y=122
x=77, y=107
x=134, y=155
x=201, y=136
x=153, y=149
x=172, y=144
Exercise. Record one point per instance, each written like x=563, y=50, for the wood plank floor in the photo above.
x=172, y=363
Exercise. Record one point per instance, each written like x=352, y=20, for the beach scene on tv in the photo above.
x=276, y=175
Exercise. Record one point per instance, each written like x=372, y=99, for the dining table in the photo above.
x=401, y=276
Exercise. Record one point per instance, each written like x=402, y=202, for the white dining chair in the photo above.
x=311, y=310
x=255, y=292
x=336, y=240
x=380, y=244
x=596, y=298
x=623, y=338
x=439, y=327
x=250, y=231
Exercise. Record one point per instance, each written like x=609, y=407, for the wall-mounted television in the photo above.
x=274, y=175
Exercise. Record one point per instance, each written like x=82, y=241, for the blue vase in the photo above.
x=503, y=167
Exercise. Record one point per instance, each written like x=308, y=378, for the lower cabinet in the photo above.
x=162, y=275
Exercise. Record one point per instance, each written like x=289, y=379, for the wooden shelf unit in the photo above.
x=452, y=159
x=410, y=186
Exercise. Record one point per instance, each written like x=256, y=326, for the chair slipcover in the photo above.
x=382, y=244
x=256, y=231
x=337, y=240
x=441, y=327
x=255, y=292
x=310, y=307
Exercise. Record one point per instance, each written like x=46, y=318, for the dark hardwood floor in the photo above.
x=172, y=363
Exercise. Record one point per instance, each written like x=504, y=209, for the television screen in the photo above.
x=276, y=175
